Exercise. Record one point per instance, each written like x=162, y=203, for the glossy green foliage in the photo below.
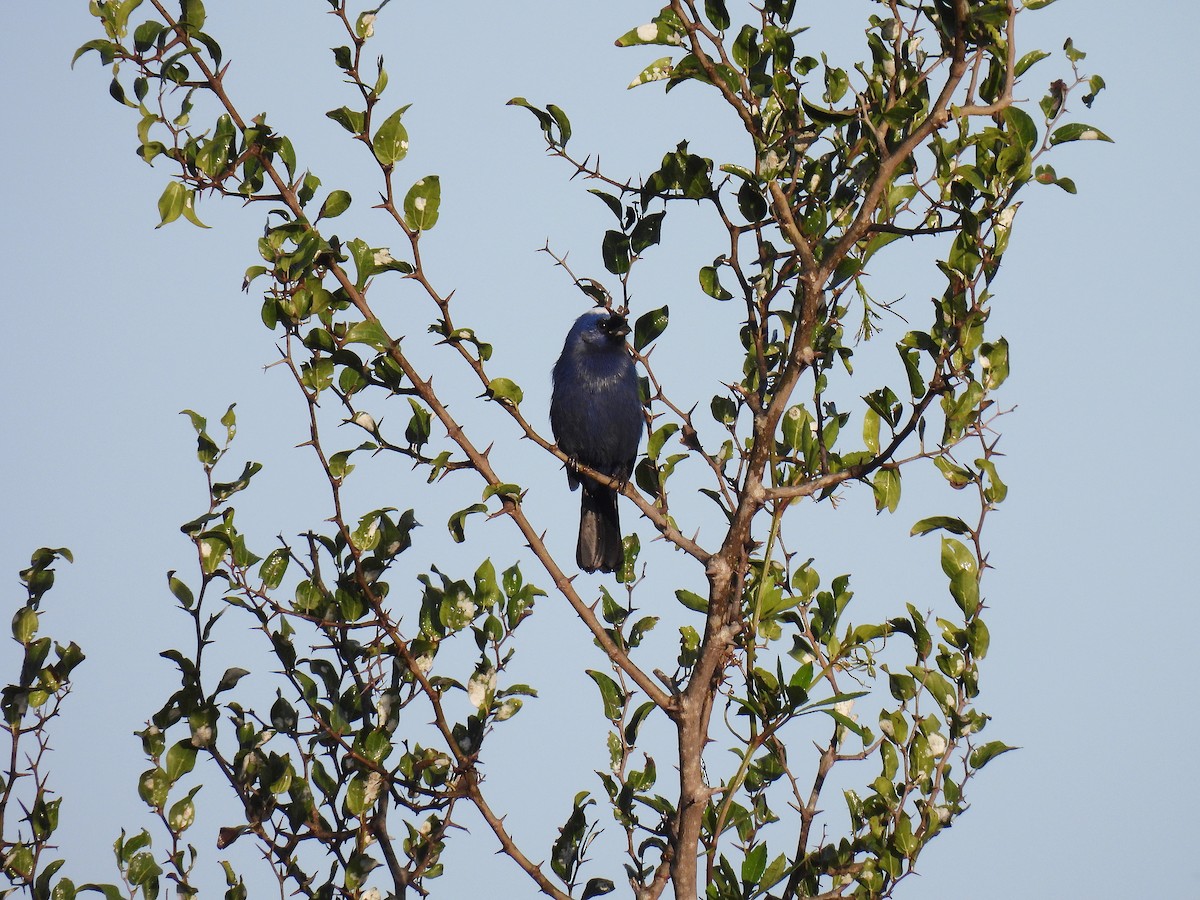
x=29, y=809
x=385, y=693
x=328, y=750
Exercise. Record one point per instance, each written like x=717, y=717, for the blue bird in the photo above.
x=596, y=416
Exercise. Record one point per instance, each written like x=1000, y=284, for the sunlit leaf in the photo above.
x=1077, y=131
x=649, y=326
x=945, y=523
x=390, y=142
x=422, y=202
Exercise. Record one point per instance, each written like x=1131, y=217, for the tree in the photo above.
x=338, y=780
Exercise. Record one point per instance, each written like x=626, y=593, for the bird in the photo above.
x=596, y=417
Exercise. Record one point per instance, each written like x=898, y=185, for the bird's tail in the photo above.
x=599, y=546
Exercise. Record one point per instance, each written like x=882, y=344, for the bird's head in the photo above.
x=600, y=328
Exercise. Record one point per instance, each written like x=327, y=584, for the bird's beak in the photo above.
x=617, y=326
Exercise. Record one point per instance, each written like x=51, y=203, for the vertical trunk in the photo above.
x=692, y=721
x=693, y=795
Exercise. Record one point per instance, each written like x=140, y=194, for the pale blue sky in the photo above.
x=114, y=327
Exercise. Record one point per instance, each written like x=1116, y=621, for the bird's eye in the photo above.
x=614, y=326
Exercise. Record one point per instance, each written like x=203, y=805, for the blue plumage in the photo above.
x=596, y=416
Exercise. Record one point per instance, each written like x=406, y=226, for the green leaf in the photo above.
x=981, y=756
x=837, y=82
x=144, y=871
x=615, y=251
x=457, y=523
x=418, y=430
x=364, y=25
x=774, y=872
x=956, y=558
x=724, y=410
x=356, y=795
x=564, y=856
x=192, y=14
x=754, y=864
x=487, y=590
x=369, y=332
x=716, y=12
x=505, y=390
x=647, y=232
x=945, y=523
x=106, y=49
x=391, y=140
x=996, y=490
x=994, y=359
x=181, y=759
x=1045, y=174
x=335, y=204
x=661, y=32
x=153, y=787
x=24, y=625
x=979, y=637
x=231, y=677
x=711, y=285
x=1026, y=62
x=597, y=887
x=692, y=601
x=181, y=815
x=223, y=490
x=421, y=203
x=1020, y=123
x=635, y=721
x=887, y=490
x=796, y=426
x=549, y=119
x=545, y=120
x=658, y=70
x=937, y=685
x=182, y=592
x=171, y=203
x=740, y=171
x=746, y=51
x=351, y=119
x=751, y=203
x=610, y=693
x=273, y=568
x=649, y=326
x=658, y=437
x=611, y=202
x=110, y=891
x=189, y=210
x=871, y=431
x=506, y=491
x=960, y=566
x=146, y=34
x=1077, y=131
x=828, y=116
x=563, y=123
x=125, y=849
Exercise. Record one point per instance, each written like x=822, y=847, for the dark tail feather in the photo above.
x=599, y=544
